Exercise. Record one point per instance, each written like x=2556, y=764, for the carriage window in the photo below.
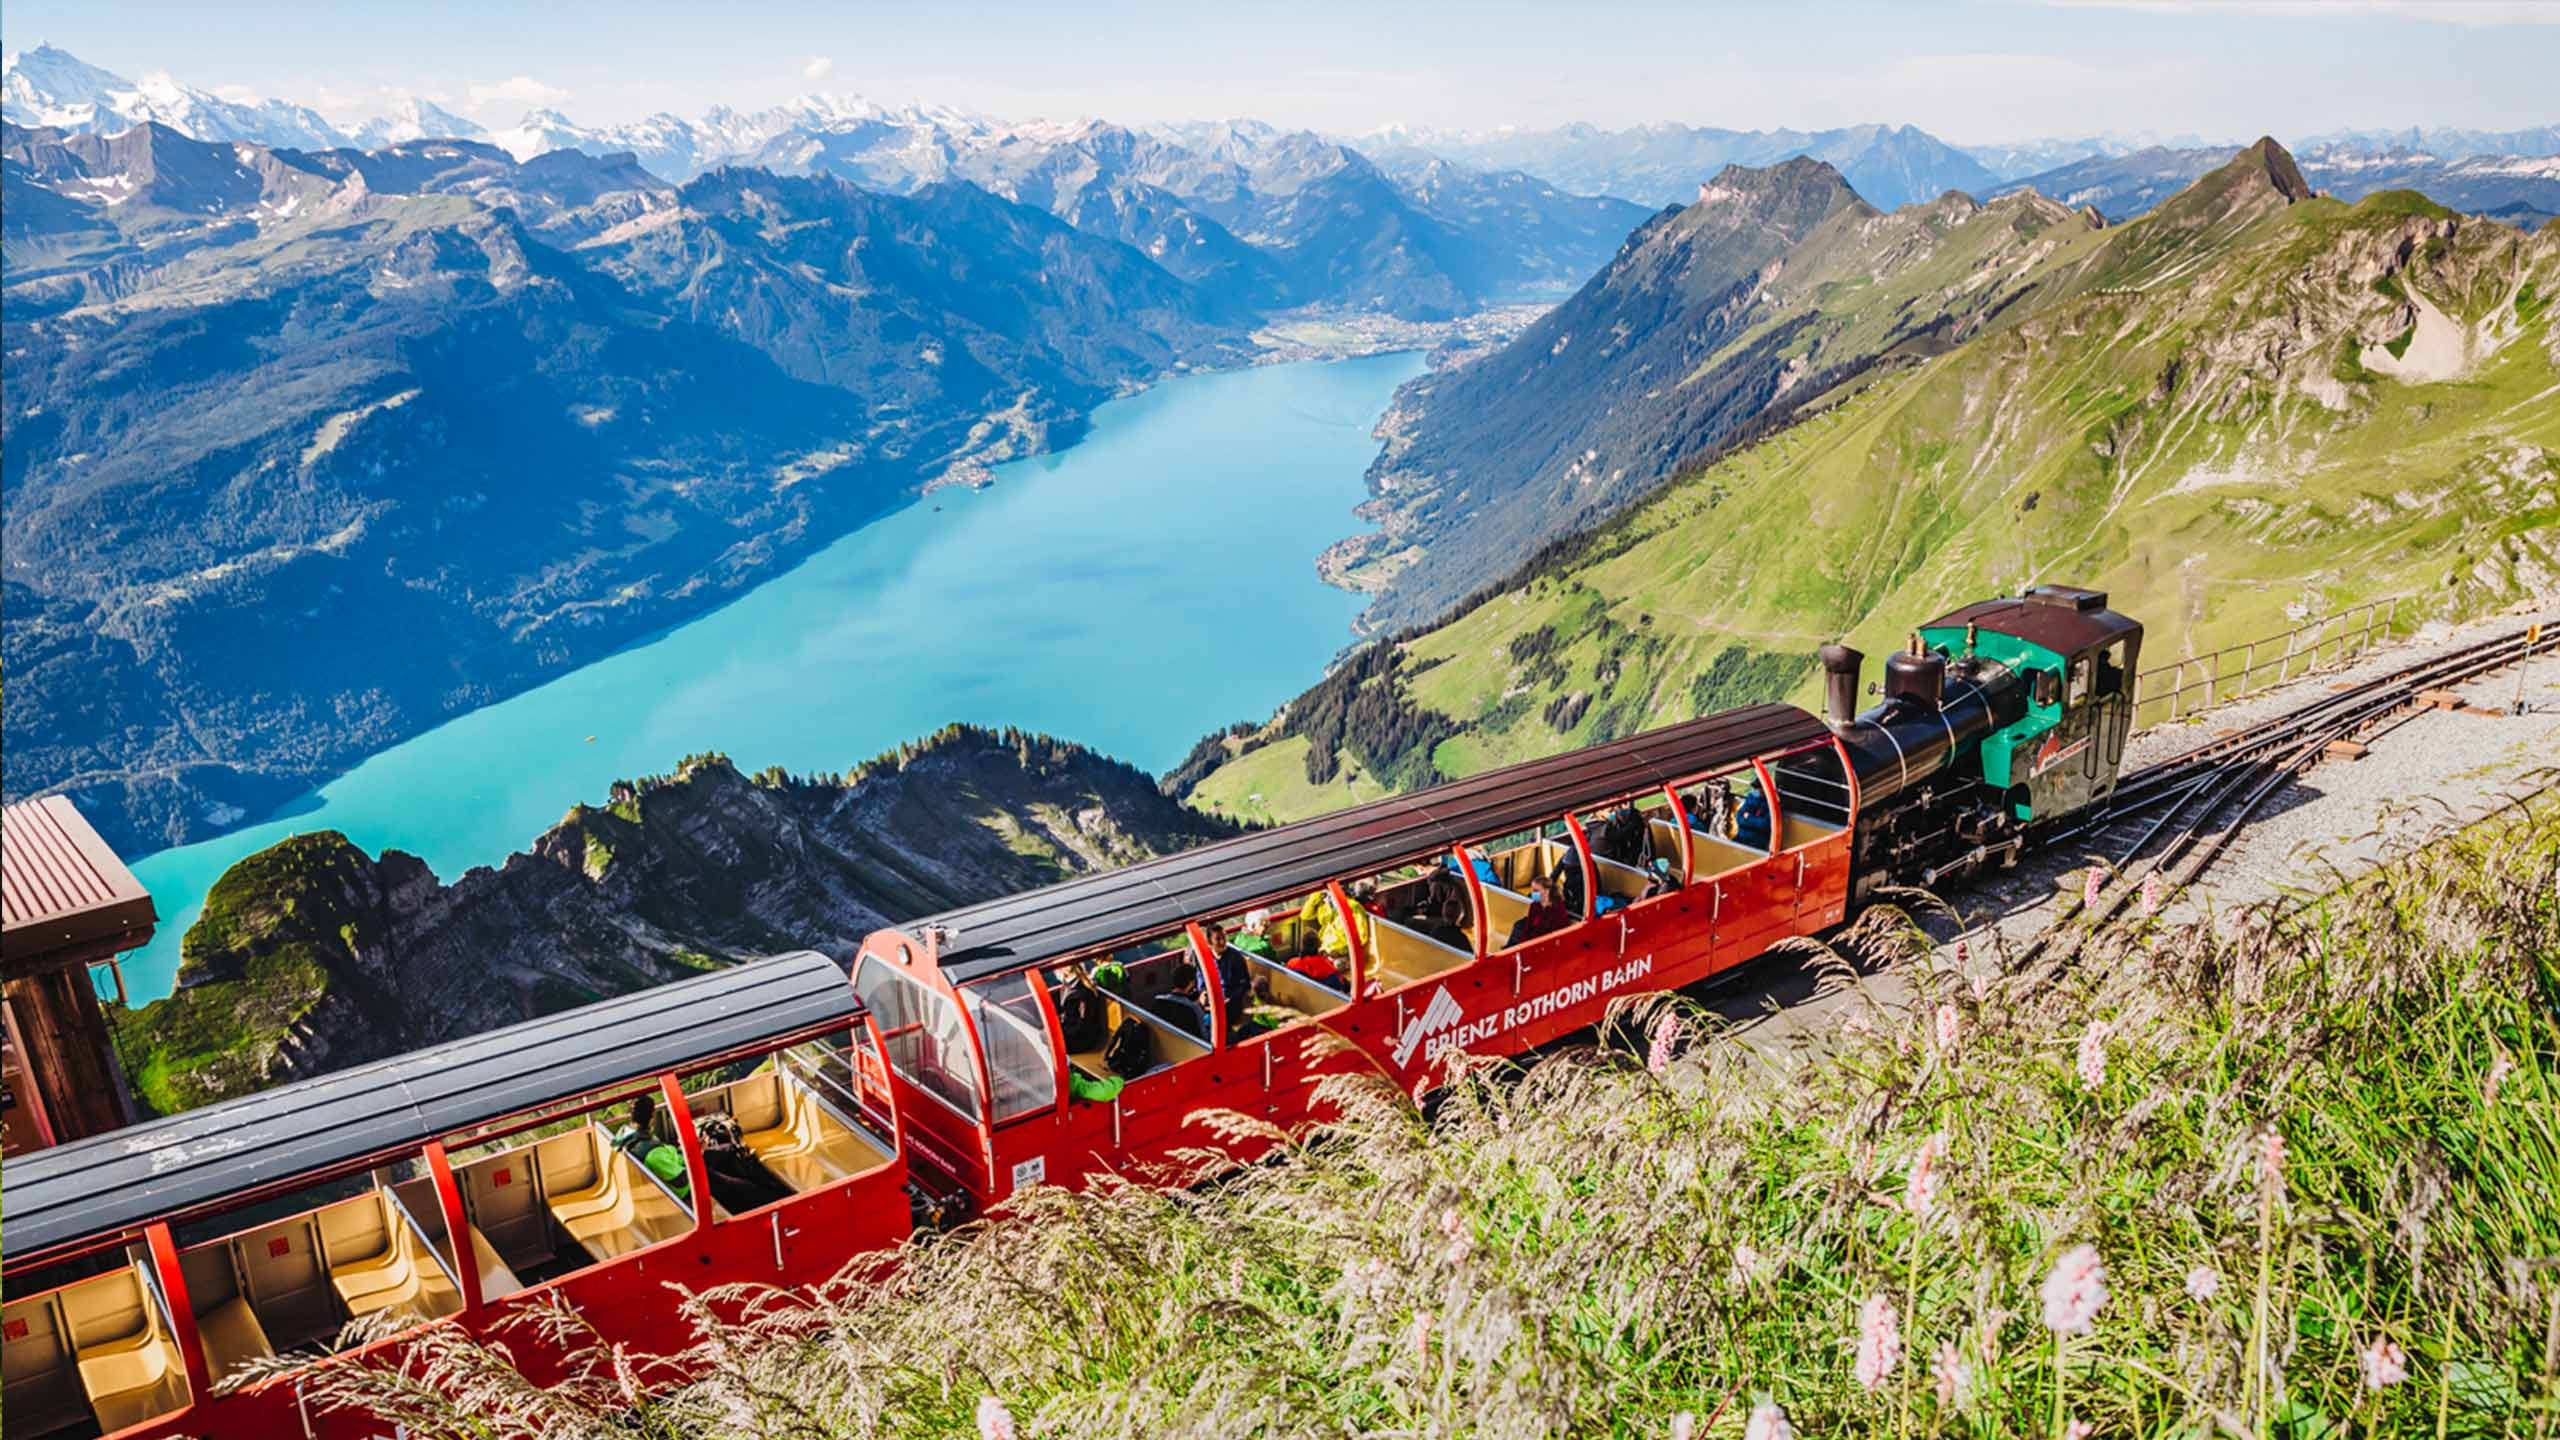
x=1020, y=1064
x=1635, y=851
x=2111, y=669
x=94, y=1355
x=788, y=1124
x=923, y=1032
x=2048, y=688
x=1731, y=812
x=1281, y=983
x=2080, y=678
x=587, y=1180
x=1130, y=1014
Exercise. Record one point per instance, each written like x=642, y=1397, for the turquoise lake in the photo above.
x=1148, y=585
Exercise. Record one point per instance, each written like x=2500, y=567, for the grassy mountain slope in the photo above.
x=1715, y=322
x=2244, y=407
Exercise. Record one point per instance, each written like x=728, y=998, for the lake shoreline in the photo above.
x=1295, y=432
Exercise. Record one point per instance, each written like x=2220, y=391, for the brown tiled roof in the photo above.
x=63, y=894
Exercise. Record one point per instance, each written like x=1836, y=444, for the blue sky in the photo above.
x=1999, y=69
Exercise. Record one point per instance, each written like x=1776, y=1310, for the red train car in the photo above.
x=151, y=1268
x=1047, y=1037
x=1209, y=965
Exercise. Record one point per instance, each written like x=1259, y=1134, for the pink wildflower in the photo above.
x=1955, y=1378
x=1768, y=1422
x=2151, y=893
x=2089, y=884
x=1666, y=1033
x=2079, y=1430
x=2203, y=1284
x=1879, y=1341
x=2384, y=1364
x=2093, y=1057
x=2271, y=1157
x=2075, y=1290
x=1421, y=1338
x=1920, y=1191
x=1461, y=1240
x=1950, y=1029
x=994, y=1421
x=1963, y=952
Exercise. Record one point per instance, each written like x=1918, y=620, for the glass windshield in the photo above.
x=922, y=1029
x=1020, y=1063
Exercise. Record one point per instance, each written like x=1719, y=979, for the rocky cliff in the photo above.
x=312, y=955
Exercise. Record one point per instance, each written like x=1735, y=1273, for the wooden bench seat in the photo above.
x=620, y=1208
x=128, y=1365
x=233, y=1338
x=797, y=1140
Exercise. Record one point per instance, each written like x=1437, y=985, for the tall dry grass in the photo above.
x=2303, y=1156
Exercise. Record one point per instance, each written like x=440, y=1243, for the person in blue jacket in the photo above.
x=1751, y=823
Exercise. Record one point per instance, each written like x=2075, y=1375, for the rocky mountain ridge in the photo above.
x=312, y=956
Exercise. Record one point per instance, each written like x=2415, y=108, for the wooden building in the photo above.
x=69, y=904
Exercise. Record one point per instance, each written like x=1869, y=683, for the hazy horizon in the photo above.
x=1991, y=72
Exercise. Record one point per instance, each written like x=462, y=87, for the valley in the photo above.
x=541, y=408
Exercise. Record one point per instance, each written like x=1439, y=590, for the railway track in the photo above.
x=2168, y=822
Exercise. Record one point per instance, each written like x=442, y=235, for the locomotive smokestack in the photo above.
x=1840, y=666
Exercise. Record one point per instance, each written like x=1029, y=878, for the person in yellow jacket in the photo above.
x=1333, y=932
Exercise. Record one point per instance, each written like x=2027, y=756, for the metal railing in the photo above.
x=2201, y=682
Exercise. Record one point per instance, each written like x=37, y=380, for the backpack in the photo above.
x=1132, y=1051
x=1080, y=1016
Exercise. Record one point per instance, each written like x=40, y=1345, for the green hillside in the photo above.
x=2247, y=406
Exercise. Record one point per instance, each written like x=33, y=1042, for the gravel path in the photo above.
x=2427, y=773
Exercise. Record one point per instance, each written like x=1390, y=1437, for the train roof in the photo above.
x=166, y=1168
x=1088, y=914
x=2062, y=618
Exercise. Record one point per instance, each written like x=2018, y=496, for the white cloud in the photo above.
x=2450, y=12
x=237, y=94
x=819, y=67
x=519, y=90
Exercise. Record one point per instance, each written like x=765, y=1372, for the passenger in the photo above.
x=1543, y=917
x=739, y=1181
x=1623, y=836
x=1084, y=1016
x=1663, y=878
x=1751, y=822
x=1184, y=1010
x=1444, y=910
x=1483, y=867
x=1318, y=967
x=1235, y=981
x=1252, y=940
x=1566, y=884
x=640, y=1141
x=1711, y=810
x=1321, y=917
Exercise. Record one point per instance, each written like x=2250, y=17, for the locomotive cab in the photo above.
x=2077, y=658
